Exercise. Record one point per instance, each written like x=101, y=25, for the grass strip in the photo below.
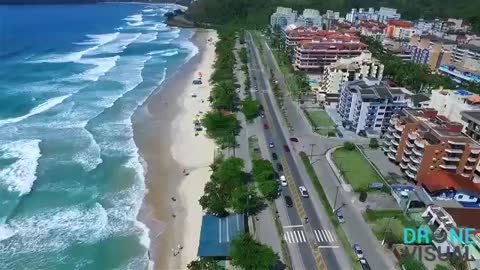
x=323, y=198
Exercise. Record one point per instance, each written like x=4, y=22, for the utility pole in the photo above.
x=311, y=151
x=335, y=202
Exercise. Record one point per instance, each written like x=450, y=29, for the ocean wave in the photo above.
x=102, y=66
x=192, y=49
x=21, y=174
x=134, y=18
x=148, y=10
x=39, y=109
x=99, y=39
x=6, y=232
x=147, y=37
x=90, y=156
x=120, y=44
x=168, y=52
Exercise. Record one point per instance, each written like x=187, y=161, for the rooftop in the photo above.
x=419, y=98
x=380, y=91
x=465, y=217
x=217, y=233
x=400, y=23
x=442, y=180
x=472, y=115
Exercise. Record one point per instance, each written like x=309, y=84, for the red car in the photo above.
x=265, y=126
x=287, y=149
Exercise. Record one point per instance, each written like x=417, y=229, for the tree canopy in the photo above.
x=264, y=176
x=204, y=264
x=221, y=127
x=247, y=253
x=250, y=108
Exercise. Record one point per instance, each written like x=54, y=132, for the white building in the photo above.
x=283, y=17
x=385, y=14
x=451, y=102
x=309, y=18
x=352, y=69
x=367, y=106
x=423, y=27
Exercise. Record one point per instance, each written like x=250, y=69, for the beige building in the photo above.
x=431, y=50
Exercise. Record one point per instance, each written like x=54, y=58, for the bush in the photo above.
x=250, y=108
x=349, y=146
x=441, y=267
x=410, y=263
x=373, y=143
x=363, y=196
x=331, y=133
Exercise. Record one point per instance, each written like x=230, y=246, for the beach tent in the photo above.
x=217, y=233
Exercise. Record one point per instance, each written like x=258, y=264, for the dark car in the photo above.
x=340, y=216
x=265, y=125
x=279, y=167
x=286, y=148
x=293, y=139
x=358, y=251
x=364, y=264
x=340, y=135
x=274, y=156
x=288, y=201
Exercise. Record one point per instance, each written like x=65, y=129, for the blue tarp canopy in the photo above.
x=217, y=234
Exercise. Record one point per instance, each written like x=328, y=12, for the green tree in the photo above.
x=247, y=253
x=270, y=189
x=250, y=108
x=214, y=199
x=410, y=263
x=441, y=267
x=349, y=146
x=223, y=96
x=373, y=143
x=263, y=174
x=245, y=200
x=204, y=264
x=230, y=173
x=221, y=126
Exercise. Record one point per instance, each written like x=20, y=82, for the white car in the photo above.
x=283, y=181
x=303, y=191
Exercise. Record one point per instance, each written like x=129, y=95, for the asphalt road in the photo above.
x=296, y=216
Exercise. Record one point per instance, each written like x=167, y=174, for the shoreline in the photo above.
x=165, y=138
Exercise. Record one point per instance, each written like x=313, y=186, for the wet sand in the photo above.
x=165, y=136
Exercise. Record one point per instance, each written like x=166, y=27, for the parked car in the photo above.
x=287, y=149
x=364, y=264
x=265, y=125
x=358, y=251
x=303, y=191
x=279, y=167
x=288, y=201
x=339, y=216
x=262, y=114
x=340, y=134
x=283, y=181
x=293, y=139
x=274, y=156
x=271, y=145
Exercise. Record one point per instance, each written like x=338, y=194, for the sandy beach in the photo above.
x=169, y=146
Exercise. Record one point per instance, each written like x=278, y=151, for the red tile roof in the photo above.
x=465, y=217
x=442, y=180
x=400, y=23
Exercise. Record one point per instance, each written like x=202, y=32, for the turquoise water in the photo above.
x=71, y=178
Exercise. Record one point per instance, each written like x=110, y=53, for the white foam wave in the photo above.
x=118, y=46
x=39, y=109
x=148, y=10
x=102, y=66
x=90, y=156
x=169, y=52
x=99, y=39
x=134, y=18
x=192, y=49
x=6, y=232
x=134, y=23
x=147, y=37
x=21, y=174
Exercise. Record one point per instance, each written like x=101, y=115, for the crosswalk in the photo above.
x=298, y=236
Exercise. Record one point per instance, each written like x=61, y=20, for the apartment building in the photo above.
x=430, y=50
x=367, y=106
x=451, y=102
x=397, y=48
x=351, y=69
x=425, y=144
x=423, y=27
x=399, y=29
x=313, y=55
x=309, y=18
x=386, y=14
x=472, y=129
x=299, y=34
x=372, y=29
x=282, y=17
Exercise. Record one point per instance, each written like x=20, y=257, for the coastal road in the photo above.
x=318, y=236
x=355, y=227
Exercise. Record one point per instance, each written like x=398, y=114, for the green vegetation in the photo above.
x=441, y=267
x=221, y=127
x=323, y=198
x=254, y=148
x=410, y=263
x=355, y=169
x=321, y=123
x=247, y=253
x=228, y=189
x=263, y=174
x=256, y=14
x=250, y=108
x=204, y=264
x=373, y=143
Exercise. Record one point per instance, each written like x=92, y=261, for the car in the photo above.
x=339, y=215
x=274, y=156
x=358, y=251
x=279, y=167
x=262, y=115
x=265, y=125
x=364, y=264
x=293, y=139
x=271, y=145
x=287, y=149
x=303, y=191
x=288, y=201
x=340, y=134
x=283, y=181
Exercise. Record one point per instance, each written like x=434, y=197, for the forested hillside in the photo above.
x=257, y=12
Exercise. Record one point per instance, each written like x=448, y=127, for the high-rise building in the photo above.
x=368, y=106
x=386, y=14
x=430, y=50
x=425, y=143
x=399, y=29
x=451, y=102
x=283, y=17
x=309, y=18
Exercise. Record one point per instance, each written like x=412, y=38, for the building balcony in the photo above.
x=448, y=167
x=391, y=156
x=419, y=144
x=385, y=149
x=387, y=143
x=389, y=135
x=465, y=174
x=412, y=167
x=409, y=144
x=416, y=152
x=405, y=159
x=412, y=135
x=403, y=165
x=407, y=152
x=475, y=151
x=457, y=151
x=391, y=128
x=396, y=135
x=415, y=159
x=410, y=174
x=394, y=142
x=471, y=159
x=392, y=149
x=468, y=168
x=399, y=127
x=456, y=142
x=392, y=121
x=447, y=158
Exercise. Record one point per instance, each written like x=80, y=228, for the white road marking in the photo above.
x=330, y=237
x=316, y=235
x=303, y=236
x=292, y=226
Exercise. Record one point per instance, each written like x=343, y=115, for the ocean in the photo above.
x=71, y=178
